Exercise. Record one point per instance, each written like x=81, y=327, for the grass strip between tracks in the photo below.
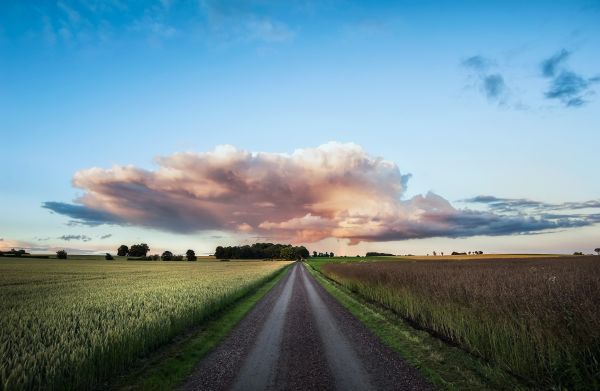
x=171, y=365
x=447, y=367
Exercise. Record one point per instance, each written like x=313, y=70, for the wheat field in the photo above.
x=72, y=324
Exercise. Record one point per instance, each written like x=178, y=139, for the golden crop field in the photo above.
x=538, y=318
x=70, y=324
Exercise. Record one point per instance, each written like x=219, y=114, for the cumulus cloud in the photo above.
x=335, y=190
x=570, y=88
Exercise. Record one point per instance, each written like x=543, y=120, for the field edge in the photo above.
x=447, y=367
x=169, y=366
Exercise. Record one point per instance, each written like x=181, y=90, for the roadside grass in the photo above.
x=170, y=366
x=445, y=366
x=535, y=318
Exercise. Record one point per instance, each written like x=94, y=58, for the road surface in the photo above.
x=298, y=337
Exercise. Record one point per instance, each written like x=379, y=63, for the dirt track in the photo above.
x=298, y=337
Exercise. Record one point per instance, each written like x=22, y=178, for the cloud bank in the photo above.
x=332, y=191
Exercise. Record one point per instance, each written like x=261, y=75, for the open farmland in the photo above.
x=71, y=324
x=537, y=318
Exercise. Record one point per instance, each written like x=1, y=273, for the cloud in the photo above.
x=551, y=65
x=491, y=84
x=333, y=191
x=106, y=236
x=570, y=88
x=494, y=86
x=68, y=238
x=523, y=205
x=477, y=63
x=82, y=214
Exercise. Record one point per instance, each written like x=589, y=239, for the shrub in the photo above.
x=178, y=258
x=167, y=256
x=61, y=254
x=108, y=257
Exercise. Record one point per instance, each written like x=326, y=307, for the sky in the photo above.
x=346, y=126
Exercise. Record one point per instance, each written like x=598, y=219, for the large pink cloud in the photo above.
x=335, y=190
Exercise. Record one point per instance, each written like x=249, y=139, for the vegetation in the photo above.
x=123, y=250
x=261, y=251
x=73, y=325
x=446, y=366
x=167, y=256
x=376, y=254
x=61, y=254
x=190, y=255
x=323, y=255
x=109, y=257
x=170, y=366
x=138, y=250
x=537, y=318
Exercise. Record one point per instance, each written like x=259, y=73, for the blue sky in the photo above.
x=470, y=98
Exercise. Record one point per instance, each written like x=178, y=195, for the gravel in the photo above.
x=298, y=337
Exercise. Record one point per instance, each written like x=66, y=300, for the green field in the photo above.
x=71, y=324
x=535, y=317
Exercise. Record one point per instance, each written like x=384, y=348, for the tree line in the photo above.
x=262, y=251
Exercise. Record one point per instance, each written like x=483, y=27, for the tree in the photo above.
x=597, y=250
x=61, y=254
x=108, y=257
x=190, y=255
x=314, y=254
x=288, y=253
x=167, y=256
x=123, y=250
x=331, y=255
x=139, y=250
x=301, y=252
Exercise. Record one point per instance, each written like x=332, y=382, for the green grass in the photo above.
x=169, y=367
x=72, y=324
x=447, y=367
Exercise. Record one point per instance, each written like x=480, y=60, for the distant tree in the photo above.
x=123, y=250
x=434, y=254
x=331, y=255
x=167, y=256
x=288, y=253
x=178, y=258
x=190, y=255
x=108, y=257
x=314, y=254
x=139, y=250
x=301, y=252
x=61, y=254
x=597, y=250
x=577, y=253
x=220, y=252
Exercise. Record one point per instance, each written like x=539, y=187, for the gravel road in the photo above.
x=298, y=337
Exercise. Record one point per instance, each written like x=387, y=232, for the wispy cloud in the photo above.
x=68, y=238
x=491, y=84
x=106, y=236
x=570, y=88
x=335, y=190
